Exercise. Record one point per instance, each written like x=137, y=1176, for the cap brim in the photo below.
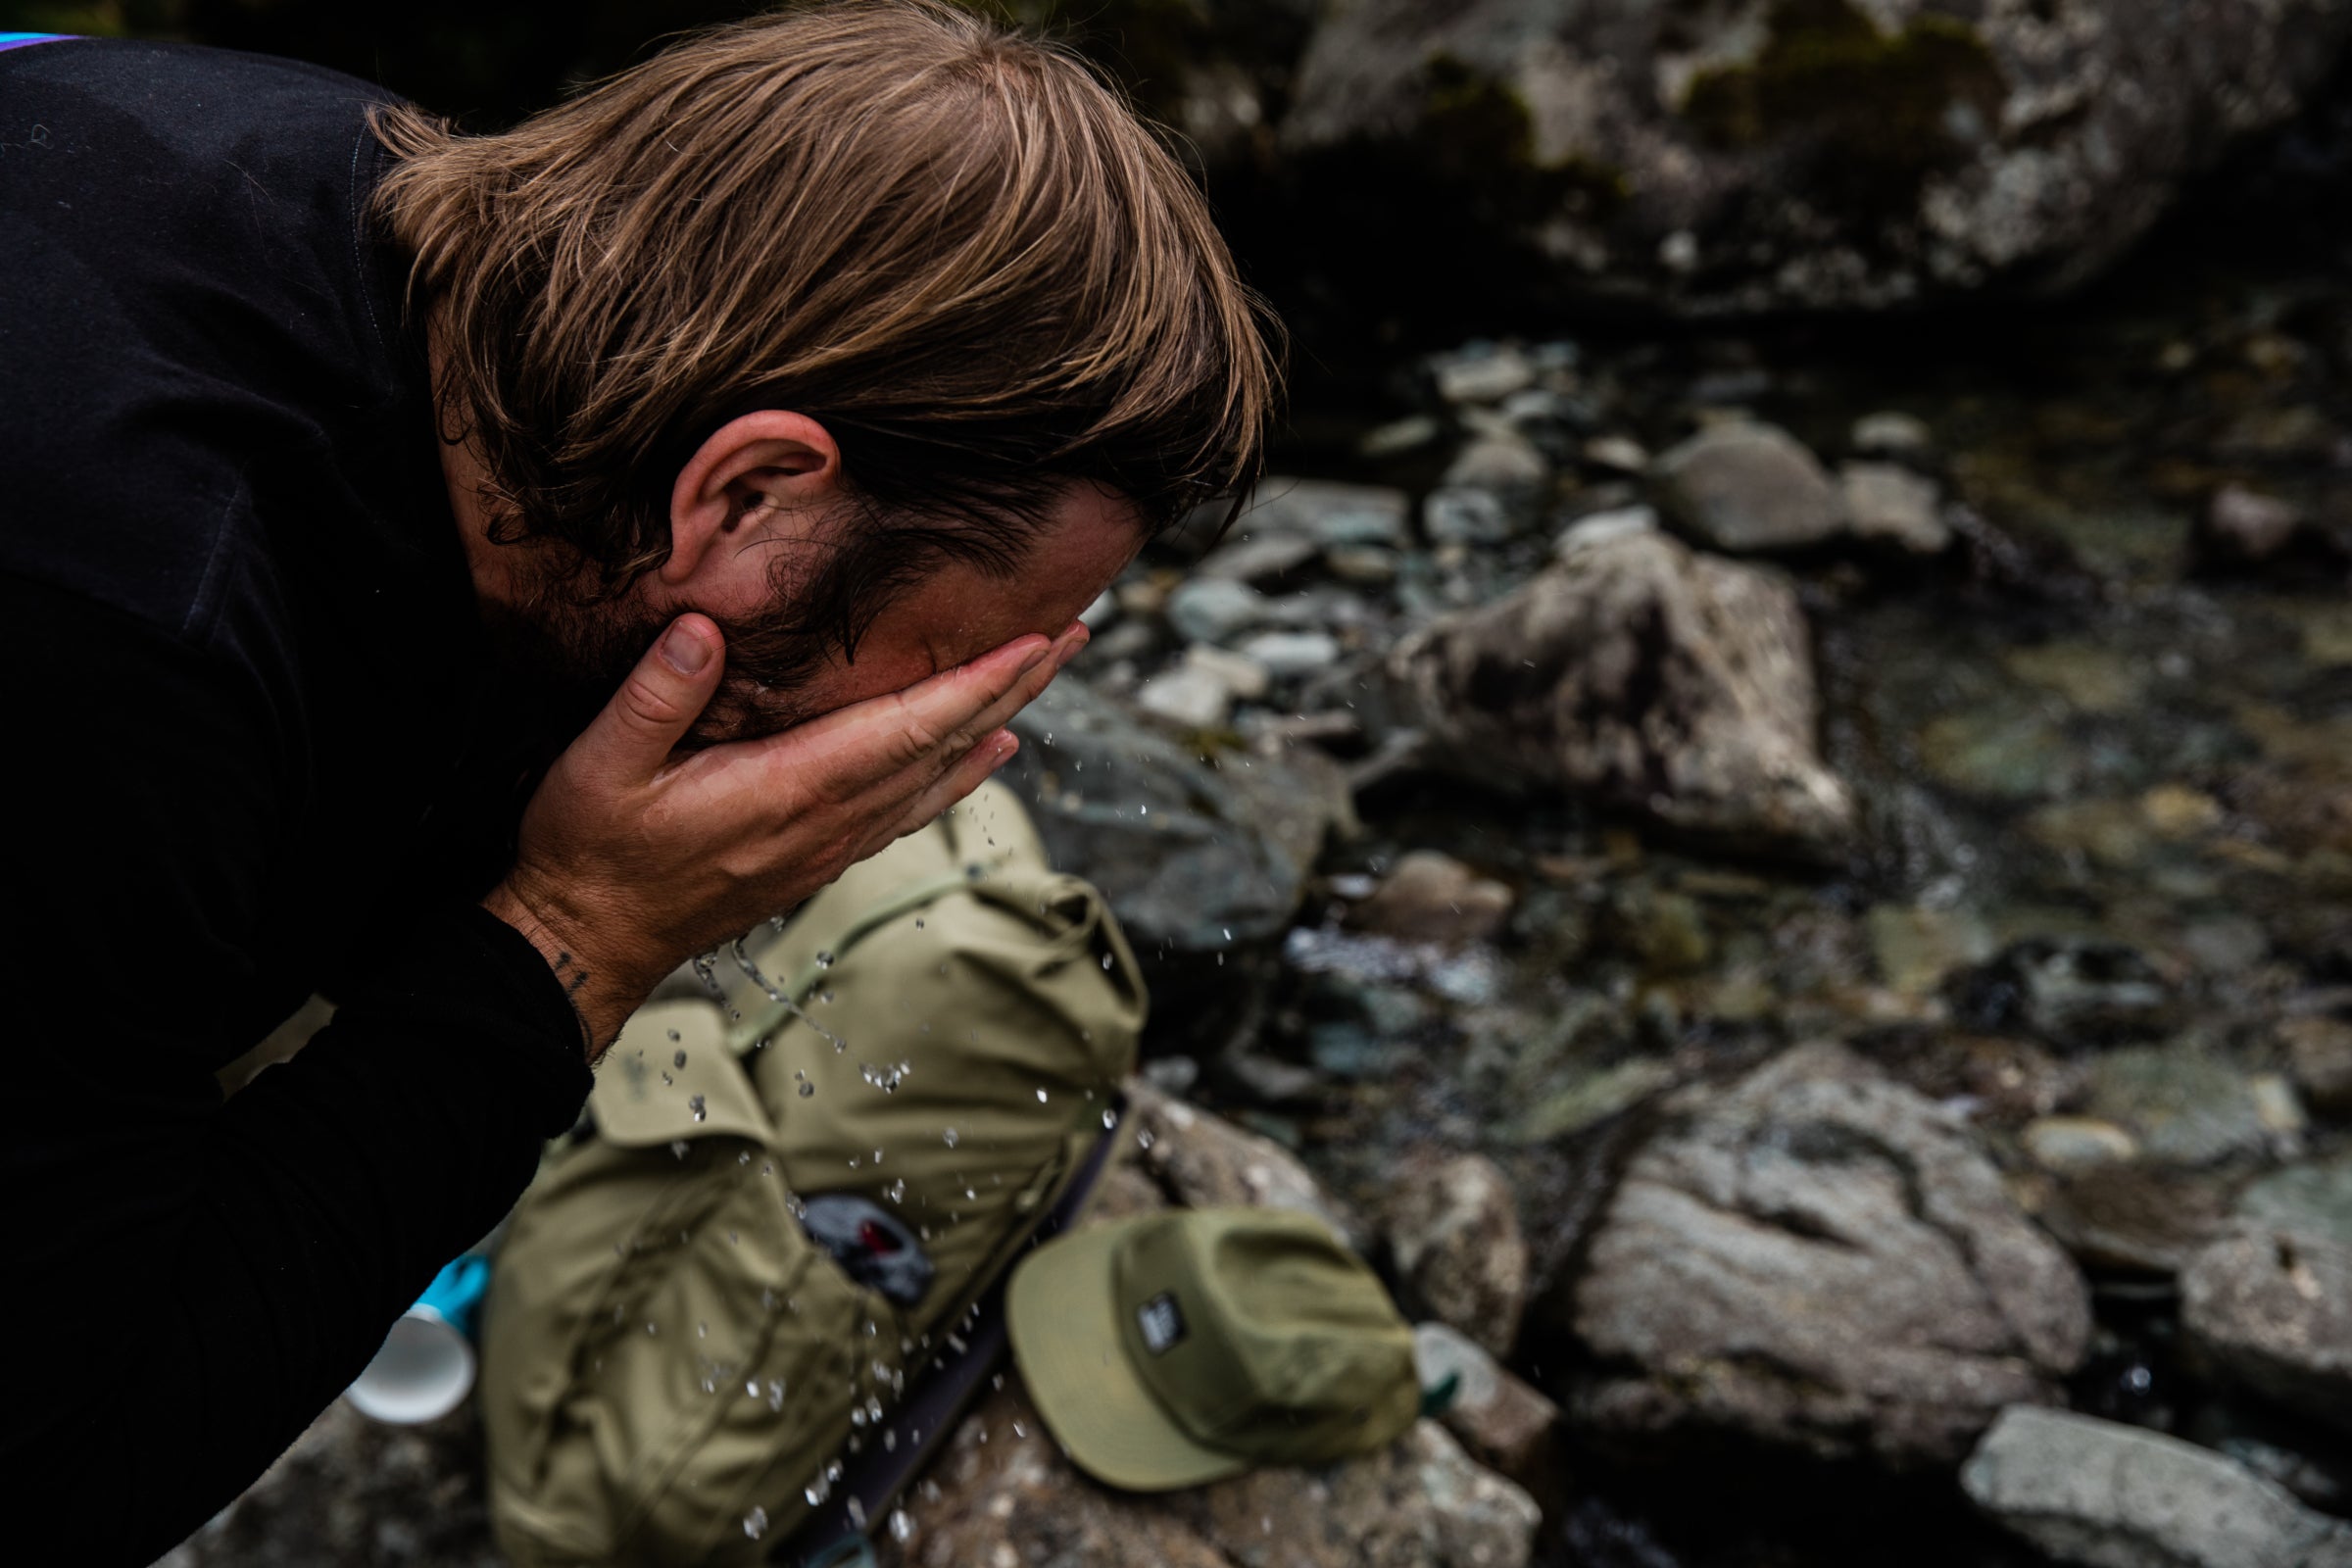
x=1062, y=1311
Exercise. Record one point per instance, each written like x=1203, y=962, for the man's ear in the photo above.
x=770, y=460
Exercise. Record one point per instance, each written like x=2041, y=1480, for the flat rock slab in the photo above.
x=2106, y=1495
x=1816, y=1258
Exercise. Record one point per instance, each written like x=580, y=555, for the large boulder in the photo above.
x=1647, y=676
x=2105, y=1495
x=1909, y=148
x=1816, y=1258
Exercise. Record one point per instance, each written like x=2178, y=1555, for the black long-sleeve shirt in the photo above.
x=254, y=749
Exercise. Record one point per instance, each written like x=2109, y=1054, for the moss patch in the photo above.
x=1477, y=131
x=1878, y=108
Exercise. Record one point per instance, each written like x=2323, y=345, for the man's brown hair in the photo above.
x=952, y=246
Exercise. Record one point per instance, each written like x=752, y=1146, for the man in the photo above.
x=787, y=396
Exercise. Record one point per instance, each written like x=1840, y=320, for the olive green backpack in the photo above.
x=672, y=1370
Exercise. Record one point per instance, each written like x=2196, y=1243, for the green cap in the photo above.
x=1174, y=1348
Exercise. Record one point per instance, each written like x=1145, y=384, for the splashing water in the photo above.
x=782, y=997
x=754, y=1523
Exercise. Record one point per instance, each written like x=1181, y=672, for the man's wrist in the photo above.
x=598, y=993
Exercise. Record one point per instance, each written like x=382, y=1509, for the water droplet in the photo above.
x=1107, y=963
x=674, y=1037
x=807, y=1088
x=1143, y=1140
x=918, y=922
x=1041, y=1097
x=694, y=1102
x=754, y=1523
x=948, y=1138
x=824, y=961
x=678, y=1148
x=856, y=1510
x=1111, y=1119
x=678, y=1060
x=902, y=1527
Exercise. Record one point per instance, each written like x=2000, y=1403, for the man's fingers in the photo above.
x=927, y=726
x=1033, y=681
x=967, y=775
x=659, y=702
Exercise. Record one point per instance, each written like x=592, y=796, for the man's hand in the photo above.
x=631, y=860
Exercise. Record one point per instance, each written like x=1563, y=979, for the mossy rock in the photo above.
x=1879, y=109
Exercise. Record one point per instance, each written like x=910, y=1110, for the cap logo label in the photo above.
x=1161, y=1323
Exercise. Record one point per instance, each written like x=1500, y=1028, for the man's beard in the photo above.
x=573, y=646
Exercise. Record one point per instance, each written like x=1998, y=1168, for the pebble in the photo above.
x=2247, y=526
x=1890, y=434
x=1188, y=697
x=1740, y=486
x=1488, y=376
x=1366, y=565
x=1247, y=679
x=1506, y=463
x=1291, y=655
x=1457, y=514
x=1888, y=503
x=1330, y=513
x=1257, y=557
x=1400, y=436
x=1213, y=610
x=2319, y=1052
x=1617, y=453
x=2067, y=1146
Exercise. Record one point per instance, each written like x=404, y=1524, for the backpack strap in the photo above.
x=757, y=1024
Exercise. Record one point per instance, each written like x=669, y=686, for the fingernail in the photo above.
x=1004, y=750
x=684, y=652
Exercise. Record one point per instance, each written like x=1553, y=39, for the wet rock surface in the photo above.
x=2110, y=1497
x=1814, y=1257
x=1940, y=149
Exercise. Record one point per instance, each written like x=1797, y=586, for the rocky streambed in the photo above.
x=1794, y=891
x=1805, y=885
